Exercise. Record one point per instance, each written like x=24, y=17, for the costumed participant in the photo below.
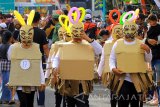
x=128, y=61
x=74, y=62
x=103, y=68
x=64, y=36
x=53, y=79
x=26, y=65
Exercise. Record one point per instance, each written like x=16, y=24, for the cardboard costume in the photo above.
x=134, y=62
x=25, y=63
x=133, y=55
x=54, y=48
x=116, y=34
x=76, y=64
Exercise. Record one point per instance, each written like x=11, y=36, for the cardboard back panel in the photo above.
x=76, y=62
x=107, y=50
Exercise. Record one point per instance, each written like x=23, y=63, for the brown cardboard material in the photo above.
x=76, y=61
x=130, y=58
x=19, y=76
x=107, y=51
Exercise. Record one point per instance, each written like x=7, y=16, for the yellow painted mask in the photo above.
x=76, y=30
x=62, y=33
x=26, y=35
x=26, y=31
x=68, y=37
x=117, y=32
x=130, y=30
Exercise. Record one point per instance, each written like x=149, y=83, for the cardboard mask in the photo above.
x=26, y=31
x=26, y=35
x=68, y=37
x=130, y=30
x=62, y=33
x=76, y=30
x=117, y=32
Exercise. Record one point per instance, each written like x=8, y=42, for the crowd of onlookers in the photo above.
x=46, y=33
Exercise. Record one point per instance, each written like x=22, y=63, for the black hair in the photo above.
x=9, y=16
x=65, y=11
x=6, y=35
x=88, y=19
x=104, y=32
x=142, y=16
x=37, y=17
x=56, y=19
x=152, y=17
x=129, y=8
x=16, y=35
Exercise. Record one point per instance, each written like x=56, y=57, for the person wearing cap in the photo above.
x=90, y=28
x=57, y=26
x=88, y=11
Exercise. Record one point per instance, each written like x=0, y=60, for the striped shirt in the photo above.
x=5, y=65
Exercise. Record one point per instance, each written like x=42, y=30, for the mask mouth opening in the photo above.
x=76, y=36
x=27, y=43
x=130, y=36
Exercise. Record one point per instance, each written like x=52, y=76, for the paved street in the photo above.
x=99, y=98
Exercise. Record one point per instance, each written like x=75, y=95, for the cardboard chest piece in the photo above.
x=25, y=66
x=130, y=58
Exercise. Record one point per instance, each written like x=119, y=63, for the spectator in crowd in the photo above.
x=104, y=35
x=153, y=38
x=40, y=38
x=5, y=66
x=90, y=28
x=57, y=26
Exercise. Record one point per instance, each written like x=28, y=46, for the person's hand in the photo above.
x=116, y=71
x=152, y=42
x=42, y=87
x=145, y=48
x=55, y=74
x=55, y=70
x=85, y=37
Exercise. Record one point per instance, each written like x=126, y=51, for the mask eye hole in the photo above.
x=75, y=31
x=117, y=31
x=126, y=29
x=133, y=29
x=22, y=33
x=30, y=34
x=82, y=31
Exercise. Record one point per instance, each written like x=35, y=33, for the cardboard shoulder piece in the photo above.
x=25, y=66
x=130, y=58
x=52, y=53
x=76, y=61
x=54, y=48
x=107, y=50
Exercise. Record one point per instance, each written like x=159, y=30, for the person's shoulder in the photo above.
x=158, y=25
x=37, y=29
